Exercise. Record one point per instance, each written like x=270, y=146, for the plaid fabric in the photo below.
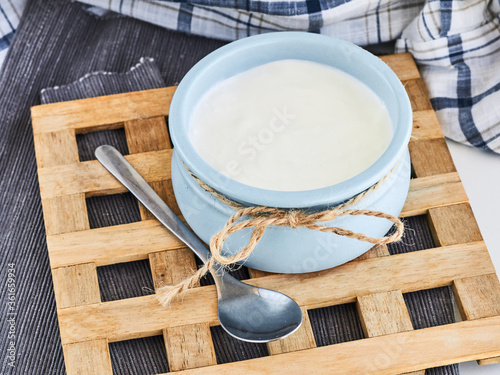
x=456, y=43
x=457, y=47
x=10, y=14
x=359, y=21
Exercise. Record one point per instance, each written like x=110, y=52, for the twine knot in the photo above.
x=260, y=217
x=292, y=218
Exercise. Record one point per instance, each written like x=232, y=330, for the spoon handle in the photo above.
x=119, y=167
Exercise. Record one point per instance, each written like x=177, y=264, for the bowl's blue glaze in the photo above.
x=285, y=249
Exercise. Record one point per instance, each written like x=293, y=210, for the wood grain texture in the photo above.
x=302, y=339
x=425, y=269
x=433, y=191
x=375, y=280
x=95, y=113
x=125, y=242
x=478, y=297
x=381, y=355
x=189, y=347
x=375, y=252
x=171, y=267
x=403, y=65
x=417, y=92
x=64, y=214
x=489, y=361
x=152, y=135
x=165, y=191
x=425, y=126
x=258, y=273
x=108, y=245
x=56, y=148
x=91, y=178
x=431, y=157
x=144, y=135
x=88, y=358
x=453, y=224
x=169, y=197
x=384, y=314
x=76, y=285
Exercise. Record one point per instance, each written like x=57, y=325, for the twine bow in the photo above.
x=260, y=217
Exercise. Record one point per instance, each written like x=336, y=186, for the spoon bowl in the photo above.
x=246, y=312
x=255, y=314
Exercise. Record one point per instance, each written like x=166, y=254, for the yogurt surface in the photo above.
x=290, y=125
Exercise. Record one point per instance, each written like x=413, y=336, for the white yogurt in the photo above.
x=290, y=125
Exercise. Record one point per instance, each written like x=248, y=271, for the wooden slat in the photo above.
x=189, y=347
x=258, y=273
x=171, y=267
x=478, y=297
x=66, y=213
x=165, y=191
x=89, y=114
x=88, y=358
x=417, y=92
x=63, y=214
x=137, y=317
x=108, y=245
x=384, y=314
x=403, y=65
x=409, y=272
x=433, y=191
x=453, y=224
x=125, y=242
x=431, y=157
x=302, y=339
x=91, y=178
x=425, y=126
x=382, y=355
x=375, y=252
x=489, y=361
x=76, y=285
x=168, y=196
x=146, y=135
x=56, y=148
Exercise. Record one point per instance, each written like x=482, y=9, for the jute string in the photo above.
x=260, y=217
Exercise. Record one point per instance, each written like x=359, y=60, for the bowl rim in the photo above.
x=251, y=195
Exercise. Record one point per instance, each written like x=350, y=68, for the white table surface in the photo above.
x=480, y=174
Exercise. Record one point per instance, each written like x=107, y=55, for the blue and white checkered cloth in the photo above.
x=10, y=14
x=456, y=43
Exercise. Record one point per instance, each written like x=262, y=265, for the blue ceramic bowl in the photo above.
x=284, y=249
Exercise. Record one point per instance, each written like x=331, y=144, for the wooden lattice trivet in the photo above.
x=374, y=281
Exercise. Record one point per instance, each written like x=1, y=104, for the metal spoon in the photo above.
x=246, y=312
